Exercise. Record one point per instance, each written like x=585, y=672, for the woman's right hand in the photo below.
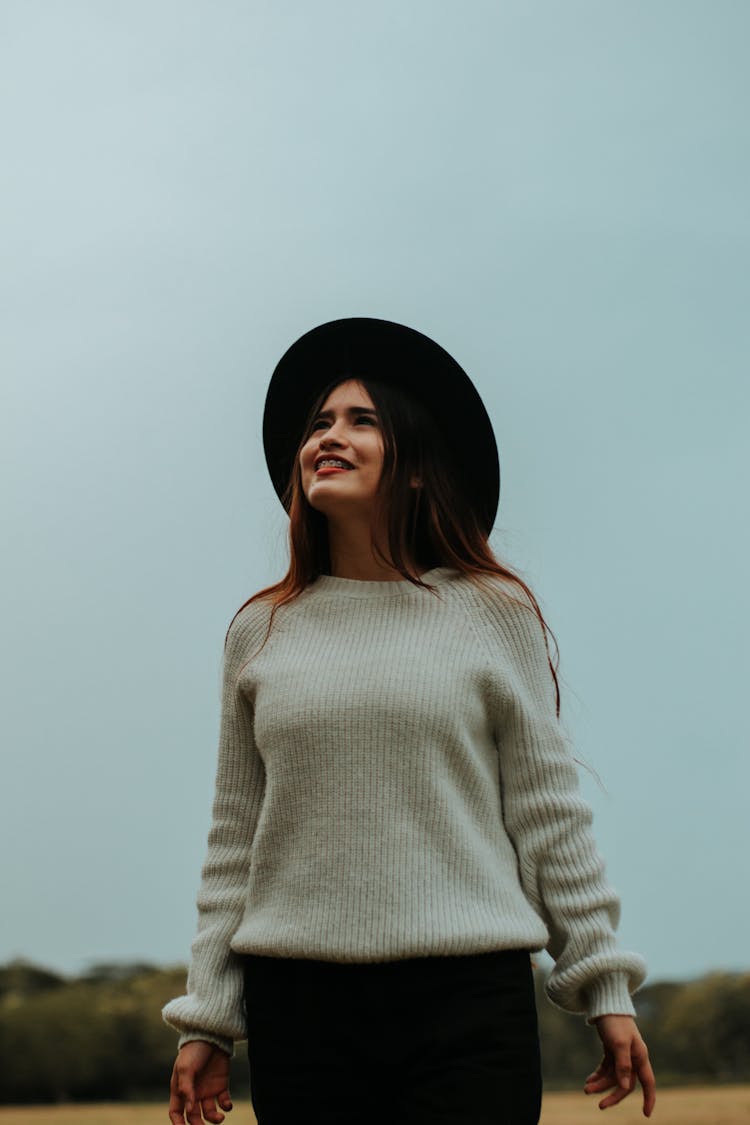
x=200, y=1080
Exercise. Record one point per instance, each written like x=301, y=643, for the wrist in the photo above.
x=226, y=1046
x=607, y=996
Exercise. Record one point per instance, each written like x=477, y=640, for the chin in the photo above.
x=333, y=506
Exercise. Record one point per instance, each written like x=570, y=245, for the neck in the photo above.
x=352, y=556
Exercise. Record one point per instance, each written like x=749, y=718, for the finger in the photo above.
x=603, y=1076
x=623, y=1067
x=211, y=1112
x=225, y=1100
x=193, y=1113
x=184, y=1089
x=184, y=1086
x=617, y=1095
x=175, y=1113
x=596, y=1085
x=176, y=1104
x=648, y=1082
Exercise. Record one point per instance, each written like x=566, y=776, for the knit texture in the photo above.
x=393, y=782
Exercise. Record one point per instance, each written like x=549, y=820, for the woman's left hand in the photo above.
x=625, y=1061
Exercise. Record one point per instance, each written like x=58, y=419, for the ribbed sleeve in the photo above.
x=212, y=1008
x=561, y=871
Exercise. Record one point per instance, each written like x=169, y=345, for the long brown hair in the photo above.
x=427, y=527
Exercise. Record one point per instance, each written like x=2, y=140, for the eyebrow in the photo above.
x=350, y=410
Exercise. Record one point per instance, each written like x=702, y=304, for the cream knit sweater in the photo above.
x=393, y=782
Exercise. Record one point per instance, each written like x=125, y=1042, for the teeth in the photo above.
x=332, y=461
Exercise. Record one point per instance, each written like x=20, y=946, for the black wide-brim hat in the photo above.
x=361, y=346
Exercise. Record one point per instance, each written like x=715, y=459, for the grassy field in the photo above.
x=699, y=1105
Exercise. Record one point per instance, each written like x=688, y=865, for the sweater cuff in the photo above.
x=608, y=996
x=226, y=1045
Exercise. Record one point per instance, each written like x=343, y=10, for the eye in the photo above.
x=359, y=418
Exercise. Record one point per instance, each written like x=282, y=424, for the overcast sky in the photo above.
x=558, y=194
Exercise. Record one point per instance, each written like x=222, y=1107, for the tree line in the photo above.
x=100, y=1036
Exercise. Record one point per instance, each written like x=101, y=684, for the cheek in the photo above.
x=305, y=453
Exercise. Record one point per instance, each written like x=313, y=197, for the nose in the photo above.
x=330, y=437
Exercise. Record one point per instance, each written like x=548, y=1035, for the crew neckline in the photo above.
x=387, y=588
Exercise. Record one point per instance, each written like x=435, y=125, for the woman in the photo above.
x=396, y=823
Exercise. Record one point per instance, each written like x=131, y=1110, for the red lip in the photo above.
x=331, y=469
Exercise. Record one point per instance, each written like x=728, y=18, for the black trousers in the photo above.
x=438, y=1040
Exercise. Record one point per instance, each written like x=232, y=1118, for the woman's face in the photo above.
x=347, y=427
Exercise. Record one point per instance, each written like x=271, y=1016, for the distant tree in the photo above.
x=24, y=979
x=90, y=1040
x=110, y=971
x=706, y=1026
x=55, y=1045
x=651, y=1003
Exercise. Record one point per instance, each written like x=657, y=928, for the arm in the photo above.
x=549, y=823
x=212, y=1009
x=561, y=871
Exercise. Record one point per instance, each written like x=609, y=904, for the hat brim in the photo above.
x=355, y=347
